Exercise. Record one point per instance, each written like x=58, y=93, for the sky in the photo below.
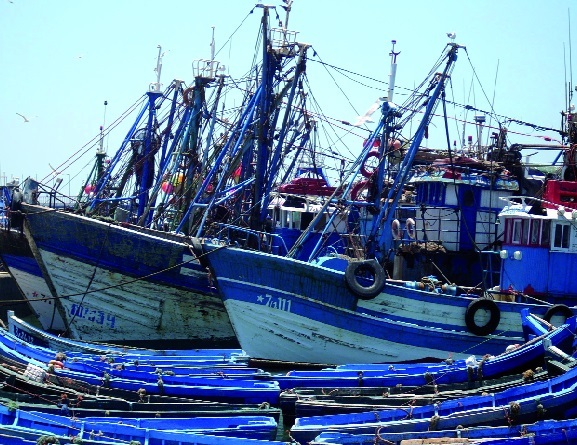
x=62, y=59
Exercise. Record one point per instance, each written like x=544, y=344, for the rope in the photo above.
x=143, y=277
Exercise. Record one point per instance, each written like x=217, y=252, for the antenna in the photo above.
x=155, y=86
x=570, y=61
x=393, y=73
x=100, y=149
x=212, y=45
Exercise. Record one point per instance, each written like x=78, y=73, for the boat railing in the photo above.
x=513, y=202
x=253, y=239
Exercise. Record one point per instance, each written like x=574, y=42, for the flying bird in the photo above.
x=54, y=172
x=23, y=117
x=366, y=118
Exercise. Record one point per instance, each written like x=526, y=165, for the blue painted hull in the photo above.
x=30, y=422
x=284, y=309
x=556, y=396
x=542, y=432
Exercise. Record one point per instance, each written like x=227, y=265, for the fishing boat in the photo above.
x=339, y=309
x=528, y=403
x=34, y=336
x=541, y=432
x=249, y=427
x=516, y=359
x=217, y=387
x=122, y=264
x=540, y=232
x=79, y=429
x=17, y=257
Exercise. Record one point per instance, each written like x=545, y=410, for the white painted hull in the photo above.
x=40, y=299
x=297, y=339
x=121, y=284
x=136, y=311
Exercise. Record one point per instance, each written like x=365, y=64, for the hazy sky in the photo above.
x=61, y=59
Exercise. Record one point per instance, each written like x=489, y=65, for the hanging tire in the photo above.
x=369, y=267
x=558, y=310
x=494, y=319
x=411, y=227
x=396, y=229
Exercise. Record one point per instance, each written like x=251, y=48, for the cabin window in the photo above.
x=436, y=195
x=296, y=220
x=535, y=231
x=431, y=193
x=468, y=198
x=546, y=233
x=507, y=233
x=525, y=239
x=517, y=232
x=321, y=224
x=561, y=240
x=307, y=217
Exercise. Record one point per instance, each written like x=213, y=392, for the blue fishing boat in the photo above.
x=250, y=427
x=217, y=387
x=337, y=308
x=18, y=260
x=517, y=359
x=50, y=425
x=531, y=402
x=542, y=432
x=122, y=264
x=540, y=231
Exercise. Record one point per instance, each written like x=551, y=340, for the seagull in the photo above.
x=54, y=172
x=366, y=118
x=452, y=35
x=23, y=117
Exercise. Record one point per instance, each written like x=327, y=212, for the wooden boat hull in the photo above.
x=289, y=310
x=17, y=257
x=122, y=285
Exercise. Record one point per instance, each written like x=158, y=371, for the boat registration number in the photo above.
x=92, y=315
x=283, y=304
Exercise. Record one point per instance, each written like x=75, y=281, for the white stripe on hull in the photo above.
x=439, y=308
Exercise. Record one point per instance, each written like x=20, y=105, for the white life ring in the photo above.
x=396, y=229
x=411, y=228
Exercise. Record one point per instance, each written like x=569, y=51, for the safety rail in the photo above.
x=254, y=239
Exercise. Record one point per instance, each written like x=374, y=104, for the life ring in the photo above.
x=364, y=171
x=187, y=95
x=558, y=310
x=486, y=305
x=396, y=229
x=411, y=228
x=369, y=268
x=357, y=189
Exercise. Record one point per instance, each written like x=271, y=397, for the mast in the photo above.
x=387, y=213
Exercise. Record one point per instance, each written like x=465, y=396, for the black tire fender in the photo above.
x=372, y=267
x=482, y=304
x=558, y=310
